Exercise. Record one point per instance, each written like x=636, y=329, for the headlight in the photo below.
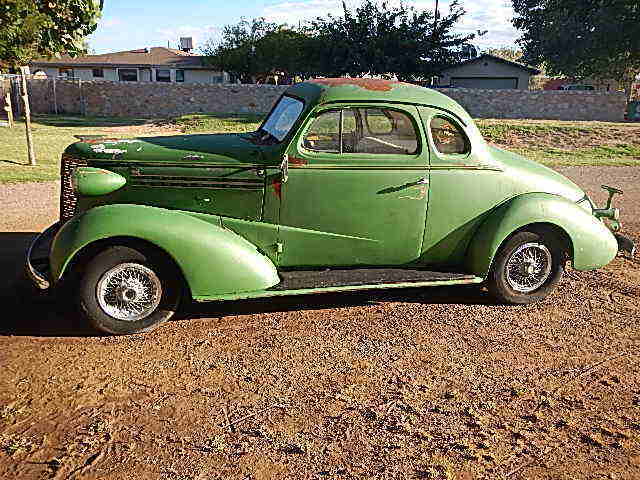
x=93, y=182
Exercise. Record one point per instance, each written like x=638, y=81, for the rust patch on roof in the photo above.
x=374, y=84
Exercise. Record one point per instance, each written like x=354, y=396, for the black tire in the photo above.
x=89, y=305
x=498, y=283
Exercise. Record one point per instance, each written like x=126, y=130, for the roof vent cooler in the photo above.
x=469, y=51
x=186, y=44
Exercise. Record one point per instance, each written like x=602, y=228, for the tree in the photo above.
x=252, y=48
x=34, y=28
x=581, y=38
x=377, y=38
x=236, y=52
x=507, y=53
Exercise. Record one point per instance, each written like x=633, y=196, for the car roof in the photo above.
x=321, y=91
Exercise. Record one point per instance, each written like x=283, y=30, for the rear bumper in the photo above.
x=37, y=265
x=625, y=244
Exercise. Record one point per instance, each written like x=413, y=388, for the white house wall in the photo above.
x=200, y=76
x=144, y=74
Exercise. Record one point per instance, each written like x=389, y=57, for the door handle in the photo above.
x=423, y=181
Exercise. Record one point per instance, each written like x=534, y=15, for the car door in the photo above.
x=357, y=188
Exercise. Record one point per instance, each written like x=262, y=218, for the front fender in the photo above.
x=593, y=244
x=213, y=260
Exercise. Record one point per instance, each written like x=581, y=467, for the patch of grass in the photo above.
x=51, y=135
x=219, y=123
x=555, y=143
x=620, y=155
x=8, y=413
x=12, y=444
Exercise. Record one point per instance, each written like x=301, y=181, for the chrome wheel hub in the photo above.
x=529, y=267
x=129, y=292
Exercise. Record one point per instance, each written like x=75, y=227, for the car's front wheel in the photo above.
x=124, y=291
x=527, y=267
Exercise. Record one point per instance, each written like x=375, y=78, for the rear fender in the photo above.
x=212, y=259
x=593, y=245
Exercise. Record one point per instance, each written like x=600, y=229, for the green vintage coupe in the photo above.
x=349, y=184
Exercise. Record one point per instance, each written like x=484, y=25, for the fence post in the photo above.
x=15, y=90
x=27, y=116
x=55, y=98
x=82, y=109
x=8, y=107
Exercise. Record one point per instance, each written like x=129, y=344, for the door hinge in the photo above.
x=279, y=247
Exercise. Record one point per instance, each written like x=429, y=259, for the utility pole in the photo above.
x=27, y=117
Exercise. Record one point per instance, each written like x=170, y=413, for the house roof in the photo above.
x=144, y=57
x=487, y=56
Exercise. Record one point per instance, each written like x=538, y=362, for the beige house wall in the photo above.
x=485, y=68
x=145, y=74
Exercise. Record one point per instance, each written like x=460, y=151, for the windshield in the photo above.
x=282, y=118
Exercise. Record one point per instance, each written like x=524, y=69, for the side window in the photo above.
x=324, y=133
x=364, y=130
x=448, y=137
x=386, y=131
x=349, y=131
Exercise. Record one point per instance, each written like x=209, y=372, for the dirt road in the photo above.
x=434, y=383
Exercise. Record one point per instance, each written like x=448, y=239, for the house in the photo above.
x=156, y=64
x=487, y=71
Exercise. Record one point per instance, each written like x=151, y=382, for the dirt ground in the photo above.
x=432, y=383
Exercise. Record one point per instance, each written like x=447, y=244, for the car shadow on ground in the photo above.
x=28, y=312
x=89, y=122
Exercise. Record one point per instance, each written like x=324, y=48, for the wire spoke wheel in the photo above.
x=129, y=292
x=528, y=267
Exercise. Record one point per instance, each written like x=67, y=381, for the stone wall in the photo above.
x=149, y=99
x=541, y=104
x=104, y=98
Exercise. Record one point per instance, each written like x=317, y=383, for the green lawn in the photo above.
x=51, y=135
x=555, y=143
x=549, y=142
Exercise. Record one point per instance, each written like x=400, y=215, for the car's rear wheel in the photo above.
x=527, y=267
x=124, y=290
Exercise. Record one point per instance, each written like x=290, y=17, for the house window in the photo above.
x=179, y=75
x=163, y=75
x=128, y=74
x=98, y=73
x=66, y=72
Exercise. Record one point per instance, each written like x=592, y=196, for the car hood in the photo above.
x=212, y=148
x=536, y=176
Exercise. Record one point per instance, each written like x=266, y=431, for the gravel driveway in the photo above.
x=432, y=383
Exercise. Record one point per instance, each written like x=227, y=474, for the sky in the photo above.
x=132, y=24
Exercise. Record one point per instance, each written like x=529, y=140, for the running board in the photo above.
x=306, y=282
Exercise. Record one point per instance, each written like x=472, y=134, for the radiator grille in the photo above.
x=68, y=197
